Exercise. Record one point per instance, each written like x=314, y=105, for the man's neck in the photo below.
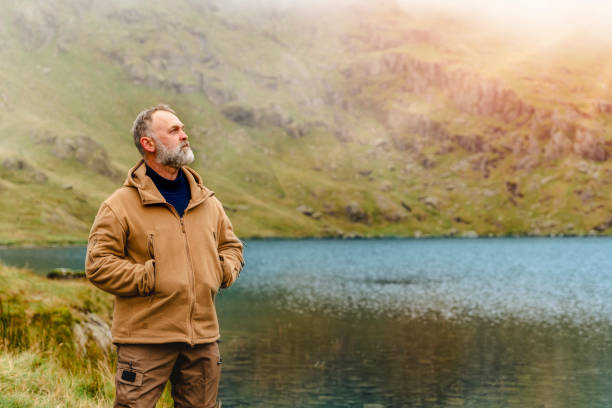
x=166, y=172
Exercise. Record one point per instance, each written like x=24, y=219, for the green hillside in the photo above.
x=349, y=120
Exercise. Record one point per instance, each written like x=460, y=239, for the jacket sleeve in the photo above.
x=106, y=265
x=230, y=250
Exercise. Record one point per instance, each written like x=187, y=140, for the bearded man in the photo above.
x=163, y=245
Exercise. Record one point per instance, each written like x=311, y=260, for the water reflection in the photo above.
x=279, y=357
x=487, y=323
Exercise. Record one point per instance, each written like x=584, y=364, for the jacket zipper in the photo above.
x=191, y=275
x=191, y=283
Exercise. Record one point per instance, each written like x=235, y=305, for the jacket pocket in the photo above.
x=151, y=245
x=218, y=260
x=219, y=268
x=151, y=250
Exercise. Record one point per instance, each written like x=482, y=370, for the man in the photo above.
x=163, y=246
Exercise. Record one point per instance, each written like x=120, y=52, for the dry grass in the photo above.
x=41, y=364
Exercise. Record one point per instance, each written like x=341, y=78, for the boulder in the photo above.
x=343, y=135
x=559, y=145
x=471, y=143
x=65, y=273
x=329, y=208
x=294, y=131
x=92, y=328
x=603, y=226
x=461, y=220
x=586, y=195
x=304, y=209
x=355, y=212
x=390, y=210
x=386, y=186
x=527, y=163
x=239, y=114
x=12, y=163
x=512, y=189
x=432, y=202
x=590, y=146
x=427, y=163
x=603, y=106
x=584, y=167
x=481, y=163
x=380, y=143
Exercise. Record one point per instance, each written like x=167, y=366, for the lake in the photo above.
x=523, y=322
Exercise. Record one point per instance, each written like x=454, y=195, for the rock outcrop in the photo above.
x=590, y=146
x=90, y=331
x=273, y=116
x=87, y=152
x=469, y=92
x=20, y=171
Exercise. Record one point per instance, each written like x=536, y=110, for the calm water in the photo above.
x=414, y=323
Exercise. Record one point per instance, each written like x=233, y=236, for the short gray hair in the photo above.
x=142, y=124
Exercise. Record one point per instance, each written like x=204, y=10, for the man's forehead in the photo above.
x=164, y=118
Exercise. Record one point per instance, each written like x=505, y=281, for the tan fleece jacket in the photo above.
x=163, y=270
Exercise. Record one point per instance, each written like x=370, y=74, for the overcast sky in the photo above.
x=557, y=15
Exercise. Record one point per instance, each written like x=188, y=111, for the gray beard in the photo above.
x=176, y=157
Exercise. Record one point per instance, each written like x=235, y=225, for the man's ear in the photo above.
x=147, y=144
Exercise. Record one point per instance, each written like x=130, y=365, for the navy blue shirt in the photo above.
x=175, y=192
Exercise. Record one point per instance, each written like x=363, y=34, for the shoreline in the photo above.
x=348, y=237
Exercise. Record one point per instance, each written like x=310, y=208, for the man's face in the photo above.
x=171, y=145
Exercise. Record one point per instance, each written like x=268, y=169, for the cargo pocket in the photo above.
x=128, y=382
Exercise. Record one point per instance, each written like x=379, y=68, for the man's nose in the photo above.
x=183, y=135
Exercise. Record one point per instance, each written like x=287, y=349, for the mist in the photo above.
x=548, y=19
x=542, y=17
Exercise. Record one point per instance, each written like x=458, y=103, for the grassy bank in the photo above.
x=54, y=344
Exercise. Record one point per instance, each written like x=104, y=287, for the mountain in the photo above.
x=357, y=119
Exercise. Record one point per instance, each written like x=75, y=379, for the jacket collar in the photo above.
x=149, y=194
